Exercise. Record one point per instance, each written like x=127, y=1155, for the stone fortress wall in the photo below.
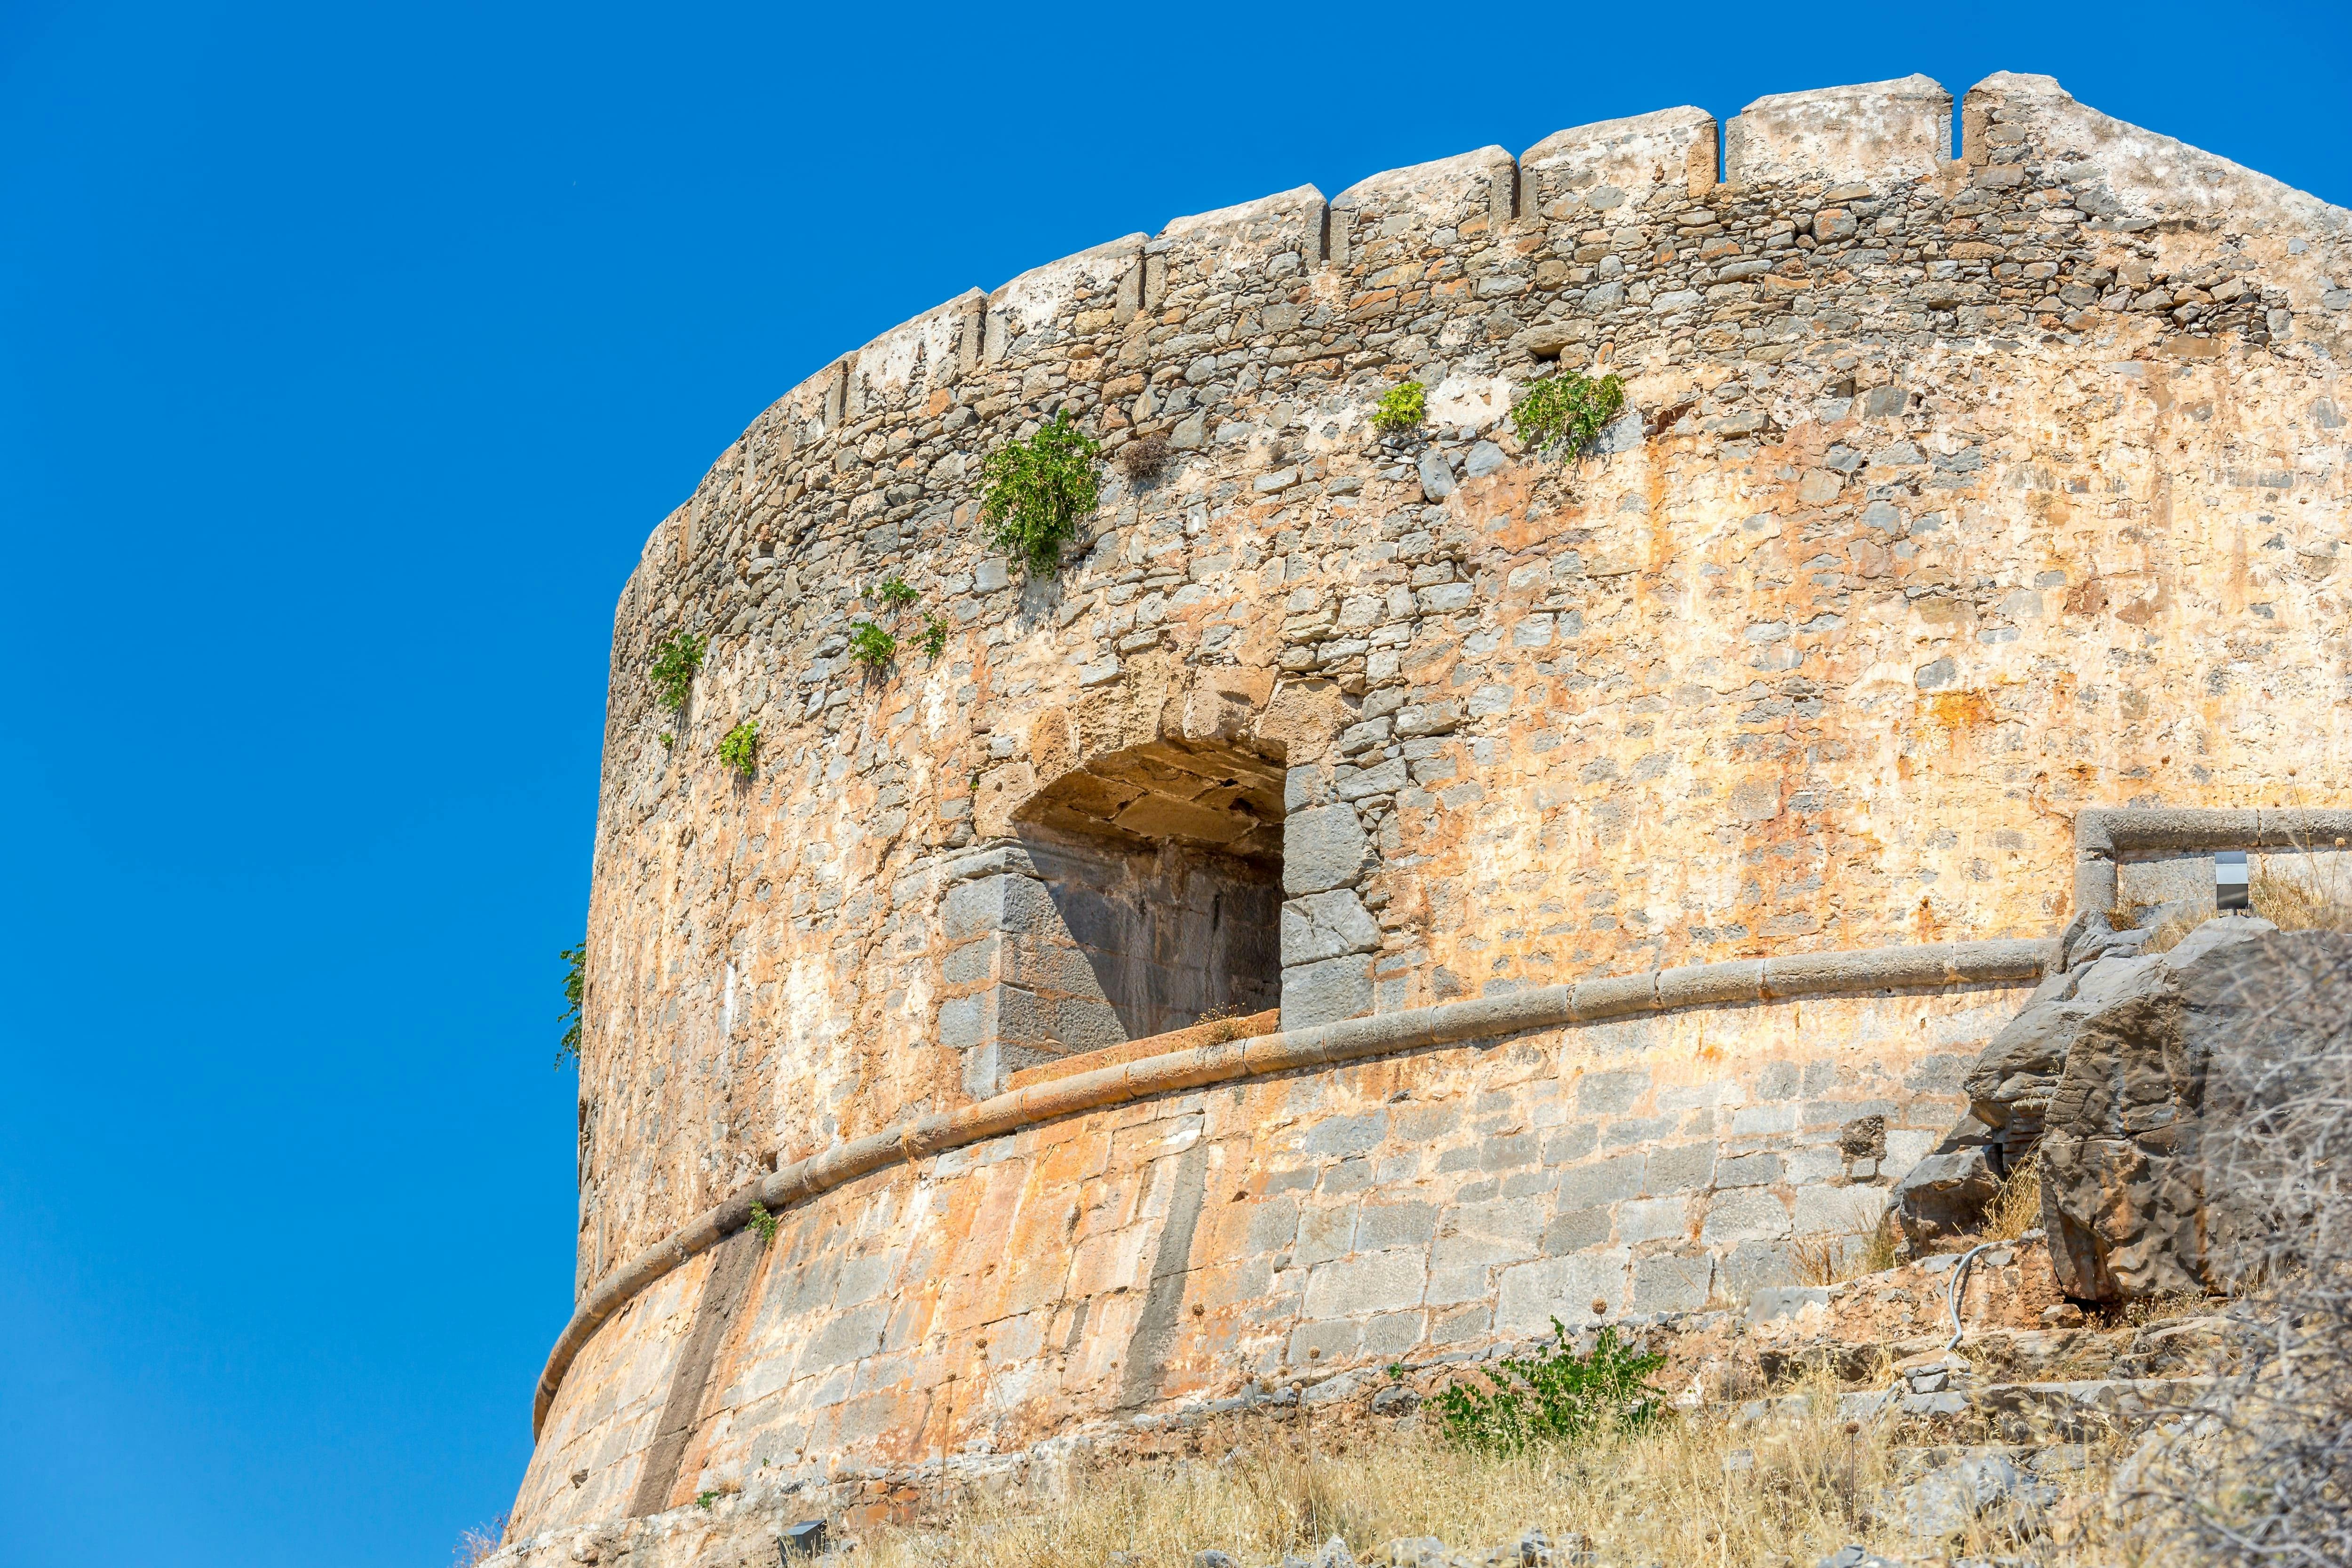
x=1636, y=848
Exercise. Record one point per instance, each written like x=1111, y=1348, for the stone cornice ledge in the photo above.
x=1590, y=1000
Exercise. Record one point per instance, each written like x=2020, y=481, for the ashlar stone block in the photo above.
x=1367, y=1283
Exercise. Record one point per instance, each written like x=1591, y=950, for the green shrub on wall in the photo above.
x=1402, y=408
x=1564, y=414
x=870, y=646
x=739, y=748
x=675, y=663
x=1034, y=492
x=933, y=640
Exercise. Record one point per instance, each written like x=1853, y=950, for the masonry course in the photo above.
x=1638, y=848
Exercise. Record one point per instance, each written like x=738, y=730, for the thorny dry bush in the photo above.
x=2263, y=1472
x=1692, y=1489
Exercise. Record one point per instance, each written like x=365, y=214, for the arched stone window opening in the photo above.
x=1139, y=894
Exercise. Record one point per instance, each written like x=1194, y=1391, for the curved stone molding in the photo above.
x=1491, y=1018
x=1877, y=130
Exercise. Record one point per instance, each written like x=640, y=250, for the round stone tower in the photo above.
x=1386, y=890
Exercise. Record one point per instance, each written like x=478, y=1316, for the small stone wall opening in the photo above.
x=1164, y=862
x=1139, y=895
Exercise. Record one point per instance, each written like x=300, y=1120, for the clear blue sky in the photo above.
x=347, y=355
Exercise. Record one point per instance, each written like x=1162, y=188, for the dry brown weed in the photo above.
x=1694, y=1489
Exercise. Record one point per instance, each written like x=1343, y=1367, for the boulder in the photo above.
x=2123, y=1190
x=2102, y=1078
x=1944, y=1195
x=1982, y=1490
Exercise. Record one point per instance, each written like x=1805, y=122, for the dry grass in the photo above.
x=1865, y=1245
x=474, y=1544
x=1693, y=1490
x=2316, y=895
x=2317, y=899
x=2017, y=1208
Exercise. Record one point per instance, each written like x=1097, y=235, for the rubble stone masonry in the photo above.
x=1952, y=498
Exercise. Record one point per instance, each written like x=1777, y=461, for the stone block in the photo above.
x=1652, y=1219
x=1367, y=1283
x=1775, y=1303
x=1839, y=1210
x=1344, y=1135
x=1383, y=1226
x=1577, y=1140
x=1328, y=1340
x=1752, y=1120
x=1602, y=1182
x=1455, y=1324
x=1754, y=1265
x=1274, y=1224
x=1393, y=1334
x=1673, y=1283
x=1327, y=925
x=1611, y=1093
x=1747, y=1214
x=1577, y=1230
x=1509, y=1152
x=1679, y=1168
x=1877, y=132
x=1488, y=1233
x=1530, y=1295
x=1007, y=903
x=1328, y=992
x=1748, y=1170
x=1323, y=848
x=1325, y=1232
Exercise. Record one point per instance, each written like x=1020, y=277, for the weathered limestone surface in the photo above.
x=1185, y=1248
x=1954, y=499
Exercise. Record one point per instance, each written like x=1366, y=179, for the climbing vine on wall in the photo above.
x=1034, y=492
x=1564, y=414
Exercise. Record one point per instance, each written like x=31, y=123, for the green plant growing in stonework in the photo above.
x=575, y=992
x=739, y=748
x=893, y=594
x=762, y=1222
x=1034, y=492
x=1402, y=408
x=675, y=663
x=704, y=1500
x=870, y=646
x=1556, y=1395
x=1567, y=412
x=933, y=640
